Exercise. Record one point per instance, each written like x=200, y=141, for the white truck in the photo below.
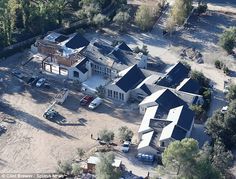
x=95, y=103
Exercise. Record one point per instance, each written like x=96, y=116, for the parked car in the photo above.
x=32, y=81
x=47, y=85
x=125, y=146
x=95, y=103
x=2, y=128
x=17, y=74
x=224, y=109
x=86, y=100
x=146, y=158
x=50, y=114
x=40, y=82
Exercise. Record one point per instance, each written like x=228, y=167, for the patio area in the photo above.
x=92, y=83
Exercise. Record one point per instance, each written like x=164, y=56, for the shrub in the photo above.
x=101, y=91
x=227, y=39
x=226, y=70
x=199, y=76
x=144, y=17
x=106, y=135
x=218, y=64
x=197, y=109
x=144, y=50
x=125, y=134
x=202, y=8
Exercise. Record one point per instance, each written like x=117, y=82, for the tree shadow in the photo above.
x=3, y=162
x=62, y=121
x=33, y=121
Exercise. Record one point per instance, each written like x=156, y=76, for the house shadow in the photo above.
x=232, y=73
x=120, y=111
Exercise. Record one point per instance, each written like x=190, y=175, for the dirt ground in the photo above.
x=34, y=144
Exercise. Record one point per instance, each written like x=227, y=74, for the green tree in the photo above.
x=222, y=127
x=179, y=157
x=198, y=110
x=222, y=158
x=228, y=39
x=179, y=12
x=199, y=76
x=101, y=91
x=204, y=166
x=7, y=19
x=104, y=169
x=91, y=10
x=231, y=95
x=80, y=152
x=106, y=135
x=185, y=158
x=59, y=7
x=125, y=134
x=121, y=18
x=144, y=17
x=64, y=167
x=100, y=20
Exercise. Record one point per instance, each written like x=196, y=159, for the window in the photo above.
x=109, y=93
x=162, y=144
x=115, y=94
x=76, y=74
x=121, y=96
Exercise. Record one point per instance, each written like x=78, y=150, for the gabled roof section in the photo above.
x=169, y=100
x=189, y=85
x=174, y=75
x=149, y=114
x=81, y=66
x=131, y=79
x=124, y=46
x=146, y=139
x=172, y=131
x=61, y=38
x=165, y=98
x=118, y=56
x=146, y=89
x=102, y=47
x=182, y=116
x=78, y=41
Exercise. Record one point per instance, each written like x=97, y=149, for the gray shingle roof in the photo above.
x=131, y=79
x=82, y=65
x=189, y=85
x=124, y=46
x=168, y=100
x=78, y=41
x=181, y=116
x=176, y=74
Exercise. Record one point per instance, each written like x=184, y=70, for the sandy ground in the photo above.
x=34, y=144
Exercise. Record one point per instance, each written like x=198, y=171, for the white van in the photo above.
x=95, y=103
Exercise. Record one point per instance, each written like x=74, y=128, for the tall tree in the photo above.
x=179, y=156
x=121, y=18
x=185, y=158
x=7, y=19
x=104, y=169
x=144, y=17
x=180, y=11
